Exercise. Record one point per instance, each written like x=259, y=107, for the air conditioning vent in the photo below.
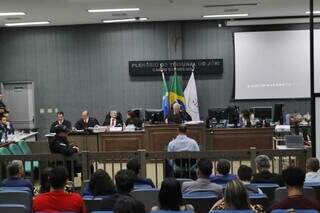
x=14, y=19
x=230, y=5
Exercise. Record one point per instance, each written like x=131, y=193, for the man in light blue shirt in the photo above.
x=182, y=142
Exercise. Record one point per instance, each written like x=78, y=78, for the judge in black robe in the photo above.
x=85, y=122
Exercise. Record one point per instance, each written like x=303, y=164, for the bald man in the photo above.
x=178, y=116
x=85, y=122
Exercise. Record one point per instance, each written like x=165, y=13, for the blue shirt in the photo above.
x=183, y=143
x=17, y=182
x=222, y=179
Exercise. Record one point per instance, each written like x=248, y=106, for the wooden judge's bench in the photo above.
x=157, y=137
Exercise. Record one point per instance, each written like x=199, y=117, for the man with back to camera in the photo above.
x=16, y=173
x=125, y=183
x=294, y=178
x=57, y=200
x=178, y=116
x=182, y=142
x=223, y=176
x=203, y=182
x=60, y=121
x=85, y=122
x=60, y=143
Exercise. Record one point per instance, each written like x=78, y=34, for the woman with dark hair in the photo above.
x=127, y=204
x=44, y=180
x=236, y=198
x=170, y=197
x=100, y=184
x=133, y=119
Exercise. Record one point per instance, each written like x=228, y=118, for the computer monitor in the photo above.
x=154, y=116
x=262, y=113
x=218, y=113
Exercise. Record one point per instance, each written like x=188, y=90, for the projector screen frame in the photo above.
x=263, y=28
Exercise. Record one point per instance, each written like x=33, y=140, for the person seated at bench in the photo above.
x=135, y=166
x=294, y=179
x=245, y=176
x=16, y=173
x=170, y=197
x=264, y=175
x=124, y=183
x=203, y=182
x=223, y=176
x=313, y=173
x=100, y=184
x=236, y=198
x=127, y=204
x=57, y=200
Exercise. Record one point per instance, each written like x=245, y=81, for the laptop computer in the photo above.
x=294, y=141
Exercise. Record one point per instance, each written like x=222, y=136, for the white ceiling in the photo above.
x=66, y=12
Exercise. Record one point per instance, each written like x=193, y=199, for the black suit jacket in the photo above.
x=65, y=123
x=80, y=125
x=179, y=118
x=61, y=145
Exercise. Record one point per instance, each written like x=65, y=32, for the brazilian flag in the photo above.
x=176, y=91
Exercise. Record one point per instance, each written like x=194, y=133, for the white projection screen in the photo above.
x=274, y=64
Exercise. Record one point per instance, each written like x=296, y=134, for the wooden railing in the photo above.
x=153, y=164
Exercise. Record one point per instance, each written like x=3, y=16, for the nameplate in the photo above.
x=184, y=67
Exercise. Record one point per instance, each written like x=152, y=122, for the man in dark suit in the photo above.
x=113, y=119
x=85, y=122
x=60, y=121
x=178, y=116
x=7, y=124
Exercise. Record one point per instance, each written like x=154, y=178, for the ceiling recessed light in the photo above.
x=226, y=15
x=113, y=10
x=12, y=14
x=27, y=23
x=124, y=20
x=314, y=12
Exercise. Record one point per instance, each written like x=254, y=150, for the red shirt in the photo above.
x=58, y=201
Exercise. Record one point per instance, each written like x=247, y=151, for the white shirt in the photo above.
x=183, y=143
x=312, y=177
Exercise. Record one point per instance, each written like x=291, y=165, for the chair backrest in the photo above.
x=149, y=197
x=315, y=185
x=14, y=149
x=4, y=151
x=181, y=180
x=25, y=189
x=24, y=147
x=93, y=203
x=13, y=208
x=202, y=201
x=282, y=192
x=268, y=189
x=296, y=211
x=16, y=197
x=142, y=186
x=232, y=211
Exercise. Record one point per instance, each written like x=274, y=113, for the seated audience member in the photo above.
x=133, y=119
x=57, y=200
x=16, y=173
x=3, y=129
x=60, y=143
x=124, y=184
x=313, y=173
x=85, y=122
x=44, y=180
x=127, y=204
x=203, y=182
x=135, y=166
x=100, y=184
x=182, y=142
x=264, y=175
x=236, y=198
x=245, y=176
x=112, y=119
x=178, y=116
x=223, y=170
x=8, y=125
x=294, y=179
x=60, y=121
x=170, y=197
